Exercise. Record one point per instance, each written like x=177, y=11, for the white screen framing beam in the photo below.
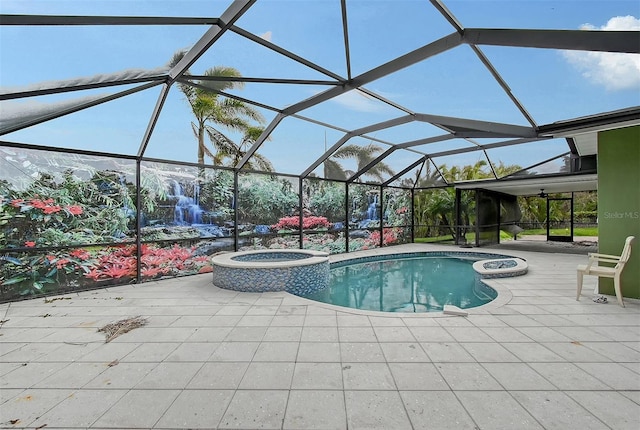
x=228, y=18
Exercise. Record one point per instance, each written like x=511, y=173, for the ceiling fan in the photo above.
x=542, y=193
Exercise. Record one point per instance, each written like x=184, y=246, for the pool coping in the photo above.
x=227, y=259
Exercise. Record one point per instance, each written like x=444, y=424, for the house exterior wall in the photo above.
x=619, y=202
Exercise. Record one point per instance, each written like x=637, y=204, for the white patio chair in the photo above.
x=593, y=268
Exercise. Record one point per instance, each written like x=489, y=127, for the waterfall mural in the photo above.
x=187, y=210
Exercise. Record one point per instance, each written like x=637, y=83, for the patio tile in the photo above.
x=468, y=334
x=169, y=376
x=151, y=352
x=320, y=310
x=191, y=351
x=319, y=352
x=373, y=410
x=367, y=376
x=288, y=320
x=619, y=333
x=235, y=351
x=568, y=376
x=446, y=352
x=7, y=394
x=380, y=321
x=138, y=409
x=28, y=405
x=263, y=376
x=575, y=351
x=581, y=334
x=80, y=409
x=263, y=309
x=28, y=352
x=356, y=334
x=615, y=351
x=454, y=321
x=467, y=376
x=121, y=375
x=532, y=352
x=487, y=408
x=108, y=352
x=223, y=320
x=246, y=334
x=614, y=375
x=156, y=334
x=634, y=396
x=25, y=375
x=555, y=410
x=196, y=409
x=255, y=409
x=361, y=352
x=233, y=310
x=276, y=351
x=517, y=376
x=353, y=321
x=210, y=334
x=219, y=376
x=317, y=376
x=431, y=334
x=393, y=334
x=403, y=352
x=255, y=321
x=291, y=310
x=283, y=334
x=543, y=334
x=269, y=299
x=486, y=321
x=420, y=321
x=417, y=376
x=320, y=321
x=75, y=375
x=489, y=352
x=319, y=334
x=615, y=410
x=438, y=410
x=192, y=320
x=308, y=410
x=516, y=321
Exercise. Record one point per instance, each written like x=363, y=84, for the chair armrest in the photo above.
x=597, y=256
x=603, y=258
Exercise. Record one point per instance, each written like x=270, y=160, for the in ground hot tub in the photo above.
x=296, y=271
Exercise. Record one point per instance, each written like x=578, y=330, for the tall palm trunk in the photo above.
x=201, y=128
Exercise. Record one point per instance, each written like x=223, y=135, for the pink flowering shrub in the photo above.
x=308, y=223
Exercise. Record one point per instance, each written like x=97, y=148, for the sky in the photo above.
x=552, y=85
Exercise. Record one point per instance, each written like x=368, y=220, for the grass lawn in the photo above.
x=471, y=237
x=578, y=231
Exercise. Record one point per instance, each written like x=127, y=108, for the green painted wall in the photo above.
x=619, y=202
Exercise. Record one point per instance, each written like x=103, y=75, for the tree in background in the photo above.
x=213, y=112
x=363, y=155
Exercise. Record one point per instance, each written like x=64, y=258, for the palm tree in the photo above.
x=229, y=154
x=211, y=109
x=363, y=155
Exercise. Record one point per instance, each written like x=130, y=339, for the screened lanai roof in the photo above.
x=508, y=90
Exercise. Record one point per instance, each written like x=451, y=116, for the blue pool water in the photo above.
x=420, y=283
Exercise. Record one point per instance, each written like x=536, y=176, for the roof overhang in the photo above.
x=533, y=185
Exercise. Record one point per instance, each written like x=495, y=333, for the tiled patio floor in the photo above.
x=210, y=358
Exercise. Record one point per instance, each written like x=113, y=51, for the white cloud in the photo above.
x=356, y=100
x=615, y=71
x=266, y=36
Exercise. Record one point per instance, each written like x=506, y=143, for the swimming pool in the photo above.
x=415, y=282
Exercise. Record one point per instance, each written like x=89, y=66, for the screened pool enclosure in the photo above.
x=141, y=138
